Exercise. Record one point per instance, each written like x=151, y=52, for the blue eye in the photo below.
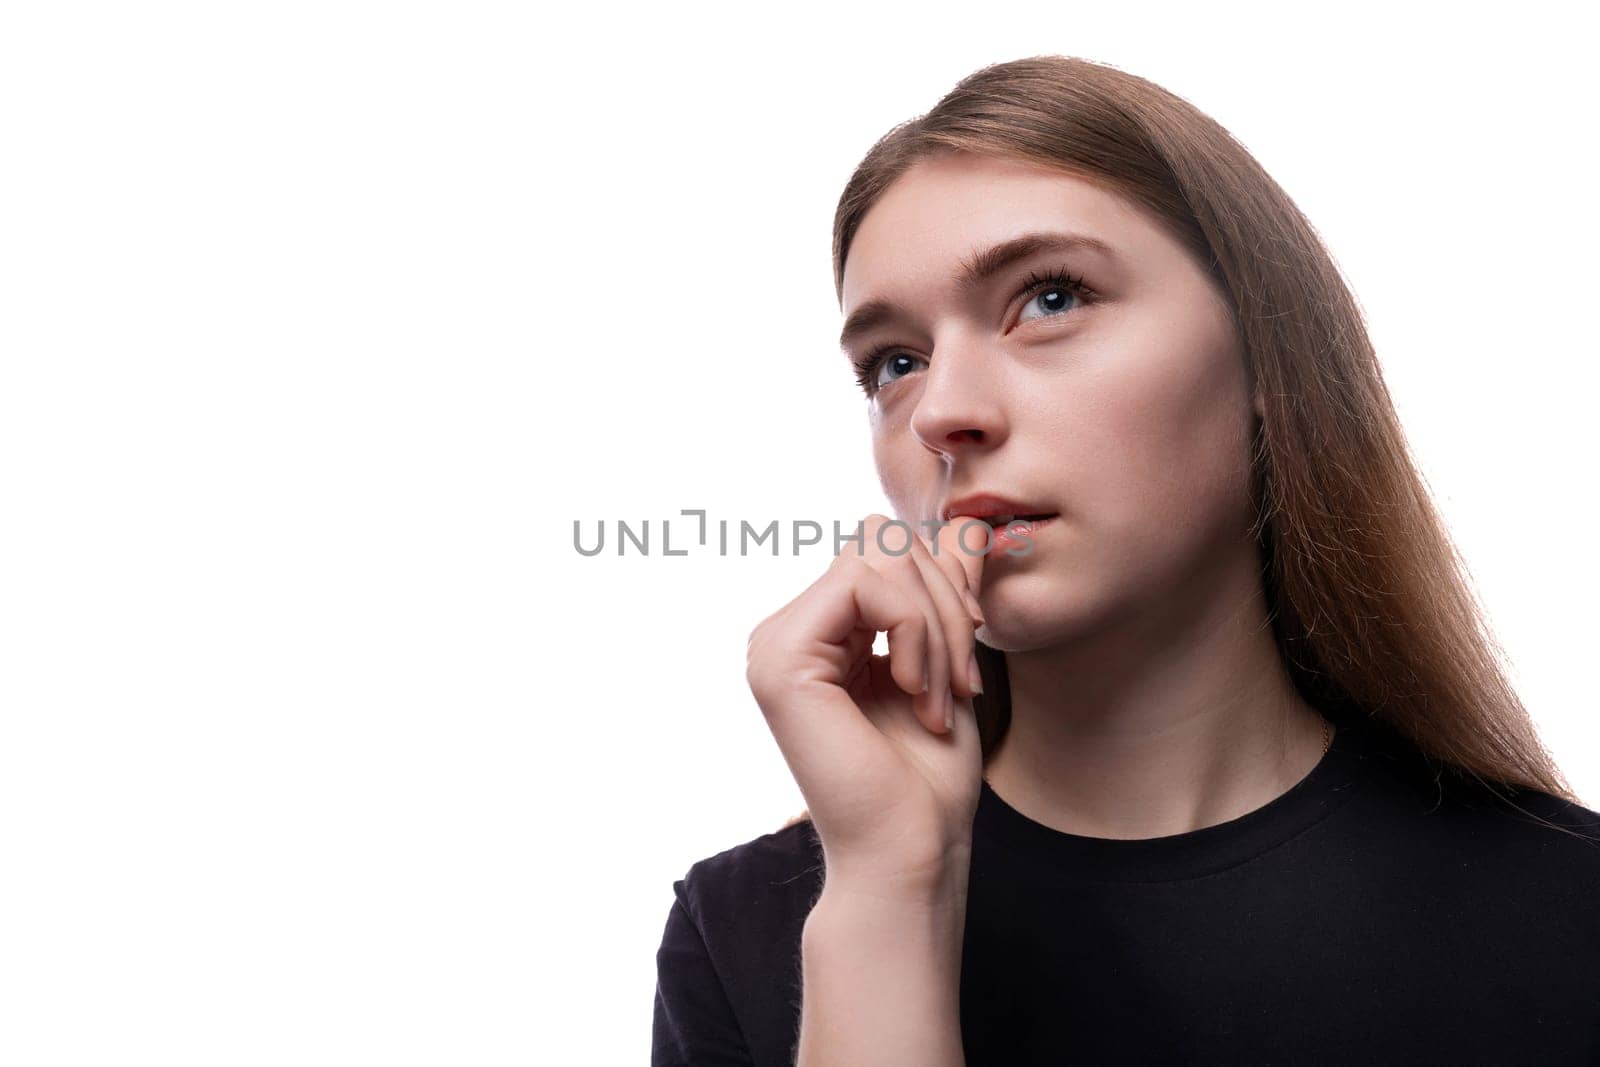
x=900, y=363
x=1058, y=295
x=870, y=367
x=1058, y=286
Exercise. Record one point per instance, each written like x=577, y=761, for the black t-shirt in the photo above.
x=1379, y=912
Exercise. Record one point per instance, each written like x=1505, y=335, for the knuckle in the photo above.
x=758, y=677
x=917, y=626
x=879, y=540
x=758, y=632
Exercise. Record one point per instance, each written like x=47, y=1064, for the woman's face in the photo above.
x=1123, y=408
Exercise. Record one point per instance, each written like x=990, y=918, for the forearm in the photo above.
x=881, y=976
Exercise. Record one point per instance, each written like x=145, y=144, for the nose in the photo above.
x=959, y=403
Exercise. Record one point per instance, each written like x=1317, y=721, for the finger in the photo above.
x=879, y=604
x=964, y=539
x=943, y=553
x=892, y=556
x=799, y=663
x=955, y=619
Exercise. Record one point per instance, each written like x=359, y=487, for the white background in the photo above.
x=322, y=322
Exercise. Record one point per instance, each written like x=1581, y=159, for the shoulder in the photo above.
x=1522, y=836
x=743, y=911
x=1544, y=836
x=768, y=881
x=728, y=970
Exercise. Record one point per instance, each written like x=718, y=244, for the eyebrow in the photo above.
x=974, y=272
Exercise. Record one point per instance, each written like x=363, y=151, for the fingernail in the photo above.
x=974, y=674
x=949, y=710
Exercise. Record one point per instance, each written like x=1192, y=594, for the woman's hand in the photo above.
x=891, y=790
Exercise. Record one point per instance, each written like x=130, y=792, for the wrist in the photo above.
x=925, y=934
x=929, y=882
x=931, y=903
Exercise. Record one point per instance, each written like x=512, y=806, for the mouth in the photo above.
x=1015, y=536
x=995, y=509
x=1000, y=522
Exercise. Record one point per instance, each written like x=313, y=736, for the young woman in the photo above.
x=1215, y=762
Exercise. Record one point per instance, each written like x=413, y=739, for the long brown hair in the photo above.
x=1370, y=603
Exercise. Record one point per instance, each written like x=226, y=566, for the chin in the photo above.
x=1025, y=611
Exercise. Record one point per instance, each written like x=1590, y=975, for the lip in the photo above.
x=987, y=505
x=1016, y=539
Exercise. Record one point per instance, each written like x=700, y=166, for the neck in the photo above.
x=1155, y=727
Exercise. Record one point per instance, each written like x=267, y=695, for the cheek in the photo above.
x=901, y=464
x=1170, y=453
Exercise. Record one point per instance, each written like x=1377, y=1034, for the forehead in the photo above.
x=943, y=210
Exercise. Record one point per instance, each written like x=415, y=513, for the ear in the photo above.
x=1257, y=406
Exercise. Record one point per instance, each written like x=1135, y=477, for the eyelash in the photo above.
x=866, y=367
